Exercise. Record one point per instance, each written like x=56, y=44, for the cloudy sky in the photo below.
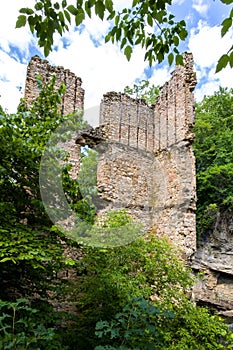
x=103, y=67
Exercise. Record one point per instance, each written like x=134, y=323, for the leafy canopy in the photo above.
x=145, y=23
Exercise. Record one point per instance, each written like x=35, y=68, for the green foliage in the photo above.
x=214, y=155
x=130, y=30
x=144, y=90
x=142, y=325
x=31, y=252
x=109, y=277
x=195, y=328
x=19, y=328
x=88, y=173
x=128, y=27
x=207, y=217
x=114, y=228
x=137, y=326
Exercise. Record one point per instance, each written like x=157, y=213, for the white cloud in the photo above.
x=12, y=77
x=20, y=37
x=214, y=81
x=160, y=76
x=12, y=72
x=207, y=46
x=201, y=7
x=9, y=96
x=103, y=68
x=178, y=2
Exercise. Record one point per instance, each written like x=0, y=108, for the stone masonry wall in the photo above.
x=149, y=167
x=73, y=99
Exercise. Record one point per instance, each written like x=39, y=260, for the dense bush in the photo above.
x=141, y=325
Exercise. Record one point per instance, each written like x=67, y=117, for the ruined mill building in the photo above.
x=148, y=166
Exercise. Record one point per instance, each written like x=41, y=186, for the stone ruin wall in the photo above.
x=73, y=98
x=149, y=166
x=72, y=101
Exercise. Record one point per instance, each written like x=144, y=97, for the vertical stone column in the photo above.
x=160, y=152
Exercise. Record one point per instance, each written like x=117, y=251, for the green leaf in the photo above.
x=39, y=6
x=21, y=21
x=170, y=58
x=64, y=3
x=91, y=3
x=79, y=17
x=107, y=37
x=118, y=34
x=179, y=60
x=226, y=24
x=222, y=62
x=183, y=34
x=150, y=20
x=123, y=42
x=72, y=9
x=109, y=5
x=176, y=40
x=56, y=6
x=128, y=51
x=47, y=49
x=231, y=59
x=61, y=17
x=26, y=10
x=67, y=15
x=228, y=2
x=117, y=19
x=87, y=9
x=100, y=9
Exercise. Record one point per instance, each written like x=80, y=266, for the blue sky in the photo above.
x=103, y=67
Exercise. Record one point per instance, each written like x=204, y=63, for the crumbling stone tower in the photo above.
x=72, y=101
x=146, y=161
x=73, y=98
